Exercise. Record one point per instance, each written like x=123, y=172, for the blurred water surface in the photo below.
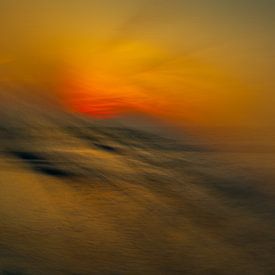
x=78, y=197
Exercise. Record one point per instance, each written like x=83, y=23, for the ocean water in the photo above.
x=84, y=198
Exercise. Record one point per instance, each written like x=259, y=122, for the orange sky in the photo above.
x=192, y=63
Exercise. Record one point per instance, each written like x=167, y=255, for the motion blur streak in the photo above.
x=137, y=137
x=205, y=62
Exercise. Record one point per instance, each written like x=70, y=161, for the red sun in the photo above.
x=95, y=105
x=91, y=97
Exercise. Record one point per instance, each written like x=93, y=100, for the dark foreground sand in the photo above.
x=115, y=201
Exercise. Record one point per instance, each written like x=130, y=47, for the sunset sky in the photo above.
x=188, y=62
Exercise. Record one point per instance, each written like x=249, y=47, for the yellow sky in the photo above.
x=191, y=62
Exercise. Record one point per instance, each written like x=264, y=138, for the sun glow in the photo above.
x=155, y=59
